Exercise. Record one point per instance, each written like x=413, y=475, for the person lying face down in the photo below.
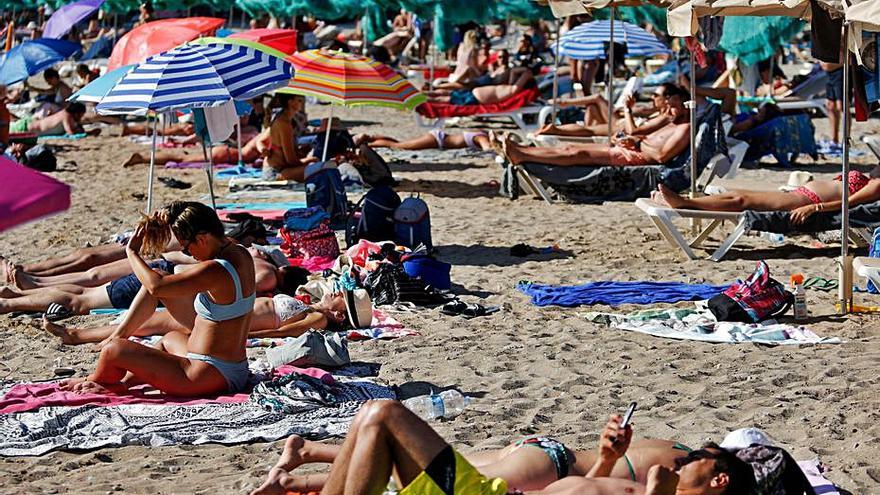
x=385, y=438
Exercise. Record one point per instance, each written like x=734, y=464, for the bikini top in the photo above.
x=210, y=310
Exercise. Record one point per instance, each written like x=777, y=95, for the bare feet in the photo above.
x=7, y=292
x=292, y=455
x=275, y=484
x=134, y=159
x=86, y=386
x=21, y=279
x=59, y=331
x=669, y=197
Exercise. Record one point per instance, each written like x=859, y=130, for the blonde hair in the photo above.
x=184, y=219
x=470, y=40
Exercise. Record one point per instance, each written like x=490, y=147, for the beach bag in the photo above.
x=412, y=223
x=313, y=348
x=373, y=168
x=431, y=271
x=759, y=298
x=373, y=217
x=40, y=158
x=324, y=188
x=390, y=284
x=776, y=472
x=319, y=242
x=304, y=219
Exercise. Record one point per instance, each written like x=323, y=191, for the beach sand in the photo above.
x=530, y=370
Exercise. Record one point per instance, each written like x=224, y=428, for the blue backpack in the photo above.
x=874, y=252
x=324, y=188
x=412, y=223
x=373, y=217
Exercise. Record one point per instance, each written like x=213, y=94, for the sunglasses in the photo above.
x=694, y=456
x=185, y=248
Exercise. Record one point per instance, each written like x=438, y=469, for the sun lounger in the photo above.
x=806, y=95
x=868, y=268
x=873, y=143
x=761, y=221
x=516, y=108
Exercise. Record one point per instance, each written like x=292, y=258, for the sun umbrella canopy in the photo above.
x=28, y=195
x=351, y=80
x=196, y=76
x=158, y=36
x=587, y=41
x=753, y=39
x=208, y=40
x=69, y=15
x=283, y=40
x=98, y=89
x=32, y=57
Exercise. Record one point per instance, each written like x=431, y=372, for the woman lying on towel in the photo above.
x=387, y=439
x=812, y=197
x=211, y=359
x=437, y=139
x=223, y=153
x=273, y=317
x=659, y=146
x=521, y=79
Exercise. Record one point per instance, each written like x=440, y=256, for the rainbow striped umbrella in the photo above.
x=350, y=80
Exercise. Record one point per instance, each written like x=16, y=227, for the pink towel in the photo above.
x=30, y=396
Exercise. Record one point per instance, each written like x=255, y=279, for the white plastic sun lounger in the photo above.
x=663, y=217
x=517, y=116
x=869, y=268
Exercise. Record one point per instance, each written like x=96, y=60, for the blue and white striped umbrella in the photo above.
x=587, y=41
x=196, y=76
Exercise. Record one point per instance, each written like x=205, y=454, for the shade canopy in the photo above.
x=33, y=57
x=28, y=195
x=195, y=75
x=588, y=41
x=63, y=20
x=283, y=40
x=159, y=36
x=351, y=80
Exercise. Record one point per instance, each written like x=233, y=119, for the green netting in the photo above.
x=373, y=23
x=753, y=39
x=644, y=14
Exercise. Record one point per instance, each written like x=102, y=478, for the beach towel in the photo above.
x=274, y=205
x=616, y=293
x=383, y=327
x=784, y=137
x=813, y=470
x=862, y=216
x=196, y=165
x=699, y=324
x=90, y=427
x=69, y=137
x=238, y=172
x=444, y=110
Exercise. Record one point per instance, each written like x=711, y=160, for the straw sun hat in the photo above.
x=358, y=307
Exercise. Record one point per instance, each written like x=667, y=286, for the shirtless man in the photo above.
x=222, y=153
x=66, y=121
x=387, y=439
x=520, y=80
x=803, y=202
x=659, y=146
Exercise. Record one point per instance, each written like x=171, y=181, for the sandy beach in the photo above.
x=529, y=369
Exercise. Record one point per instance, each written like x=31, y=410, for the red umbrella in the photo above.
x=159, y=36
x=283, y=40
x=28, y=195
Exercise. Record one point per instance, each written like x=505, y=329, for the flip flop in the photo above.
x=56, y=312
x=822, y=284
x=174, y=183
x=468, y=311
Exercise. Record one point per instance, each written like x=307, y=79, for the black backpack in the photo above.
x=373, y=217
x=40, y=158
x=324, y=188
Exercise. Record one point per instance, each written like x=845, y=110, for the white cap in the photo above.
x=745, y=437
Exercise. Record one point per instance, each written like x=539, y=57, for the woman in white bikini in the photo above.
x=437, y=139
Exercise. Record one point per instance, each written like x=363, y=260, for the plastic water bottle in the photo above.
x=446, y=404
x=775, y=239
x=800, y=296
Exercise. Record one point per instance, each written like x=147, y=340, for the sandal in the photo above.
x=822, y=284
x=56, y=312
x=174, y=183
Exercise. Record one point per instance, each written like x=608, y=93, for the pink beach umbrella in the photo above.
x=28, y=195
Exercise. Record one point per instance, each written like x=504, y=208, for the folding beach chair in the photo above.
x=806, y=95
x=868, y=268
x=517, y=108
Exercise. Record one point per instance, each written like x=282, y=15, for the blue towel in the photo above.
x=615, y=293
x=238, y=172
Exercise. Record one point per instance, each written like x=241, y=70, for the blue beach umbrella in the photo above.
x=587, y=41
x=63, y=20
x=194, y=76
x=98, y=89
x=32, y=57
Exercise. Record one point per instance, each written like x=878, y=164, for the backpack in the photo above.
x=40, y=157
x=373, y=217
x=412, y=223
x=390, y=284
x=319, y=242
x=324, y=188
x=874, y=252
x=373, y=168
x=759, y=298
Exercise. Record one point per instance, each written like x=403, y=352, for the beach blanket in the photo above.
x=862, y=216
x=238, y=172
x=445, y=110
x=813, y=470
x=616, y=293
x=275, y=205
x=197, y=165
x=699, y=324
x=90, y=427
x=432, y=155
x=69, y=137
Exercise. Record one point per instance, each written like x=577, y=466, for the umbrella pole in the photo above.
x=238, y=142
x=845, y=268
x=231, y=14
x=150, y=173
x=209, y=159
x=609, y=68
x=327, y=136
x=555, y=74
x=693, y=126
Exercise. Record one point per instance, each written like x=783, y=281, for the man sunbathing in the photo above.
x=521, y=79
x=659, y=146
x=385, y=438
x=803, y=202
x=66, y=121
x=596, y=116
x=223, y=153
x=274, y=317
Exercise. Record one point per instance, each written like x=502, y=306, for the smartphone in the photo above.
x=628, y=416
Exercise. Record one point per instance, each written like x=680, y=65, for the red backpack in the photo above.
x=759, y=298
